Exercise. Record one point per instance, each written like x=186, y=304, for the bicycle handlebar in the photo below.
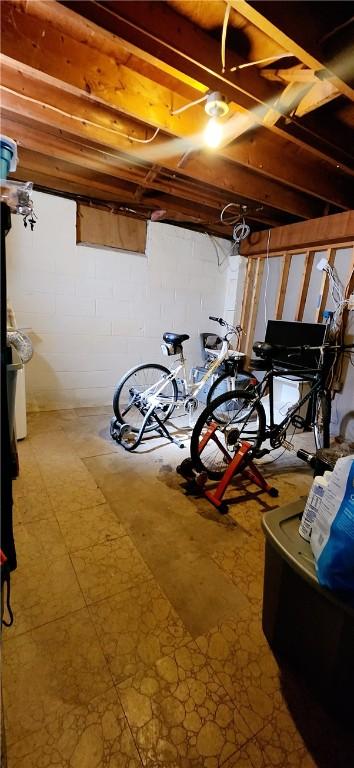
x=223, y=323
x=263, y=349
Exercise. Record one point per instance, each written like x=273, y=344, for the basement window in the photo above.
x=103, y=228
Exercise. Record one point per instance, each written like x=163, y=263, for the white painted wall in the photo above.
x=93, y=313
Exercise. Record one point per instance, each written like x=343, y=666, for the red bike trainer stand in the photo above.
x=251, y=472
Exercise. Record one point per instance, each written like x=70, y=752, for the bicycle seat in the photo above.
x=175, y=338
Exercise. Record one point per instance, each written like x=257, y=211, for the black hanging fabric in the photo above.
x=7, y=537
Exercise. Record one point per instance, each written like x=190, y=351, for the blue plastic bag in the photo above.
x=332, y=538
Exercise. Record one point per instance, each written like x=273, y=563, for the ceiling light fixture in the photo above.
x=216, y=106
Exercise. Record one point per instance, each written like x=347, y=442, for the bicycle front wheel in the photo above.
x=321, y=427
x=131, y=397
x=244, y=420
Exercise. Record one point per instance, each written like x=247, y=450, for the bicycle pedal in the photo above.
x=288, y=446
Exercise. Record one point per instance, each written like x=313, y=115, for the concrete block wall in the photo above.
x=93, y=313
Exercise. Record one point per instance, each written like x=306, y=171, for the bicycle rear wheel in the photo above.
x=321, y=427
x=244, y=420
x=131, y=397
x=224, y=384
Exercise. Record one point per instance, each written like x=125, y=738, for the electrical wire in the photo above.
x=190, y=104
x=260, y=61
x=223, y=35
x=232, y=218
x=114, y=131
x=216, y=246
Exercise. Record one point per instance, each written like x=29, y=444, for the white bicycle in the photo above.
x=147, y=395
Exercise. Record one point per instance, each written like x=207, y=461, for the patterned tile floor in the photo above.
x=137, y=638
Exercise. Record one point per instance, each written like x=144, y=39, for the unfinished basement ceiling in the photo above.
x=83, y=81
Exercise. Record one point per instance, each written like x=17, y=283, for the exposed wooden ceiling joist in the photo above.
x=205, y=168
x=288, y=165
x=161, y=32
x=155, y=28
x=80, y=98
x=292, y=28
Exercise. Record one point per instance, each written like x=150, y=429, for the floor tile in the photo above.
x=91, y=736
x=49, y=671
x=86, y=527
x=107, y=569
x=136, y=628
x=91, y=436
x=253, y=756
x=242, y=561
x=75, y=498
x=96, y=410
x=43, y=591
x=48, y=421
x=179, y=713
x=40, y=540
x=241, y=658
x=198, y=591
x=32, y=506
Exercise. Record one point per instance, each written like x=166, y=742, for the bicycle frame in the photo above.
x=190, y=390
x=315, y=376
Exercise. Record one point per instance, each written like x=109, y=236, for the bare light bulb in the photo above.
x=213, y=133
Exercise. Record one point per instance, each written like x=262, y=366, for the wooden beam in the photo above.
x=156, y=28
x=286, y=103
x=317, y=96
x=280, y=161
x=42, y=47
x=64, y=177
x=332, y=138
x=67, y=23
x=246, y=301
x=100, y=40
x=331, y=255
x=254, y=306
x=283, y=283
x=81, y=155
x=304, y=285
x=291, y=75
x=293, y=31
x=325, y=230
x=178, y=37
x=206, y=168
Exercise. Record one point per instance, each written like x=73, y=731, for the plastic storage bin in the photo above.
x=306, y=624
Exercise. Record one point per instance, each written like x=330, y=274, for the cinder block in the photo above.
x=115, y=345
x=58, y=342
x=113, y=309
x=86, y=379
x=128, y=326
x=114, y=265
x=93, y=288
x=81, y=362
x=33, y=303
x=35, y=281
x=75, y=306
x=50, y=400
x=93, y=396
x=63, y=324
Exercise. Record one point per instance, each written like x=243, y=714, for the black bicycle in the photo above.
x=242, y=416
